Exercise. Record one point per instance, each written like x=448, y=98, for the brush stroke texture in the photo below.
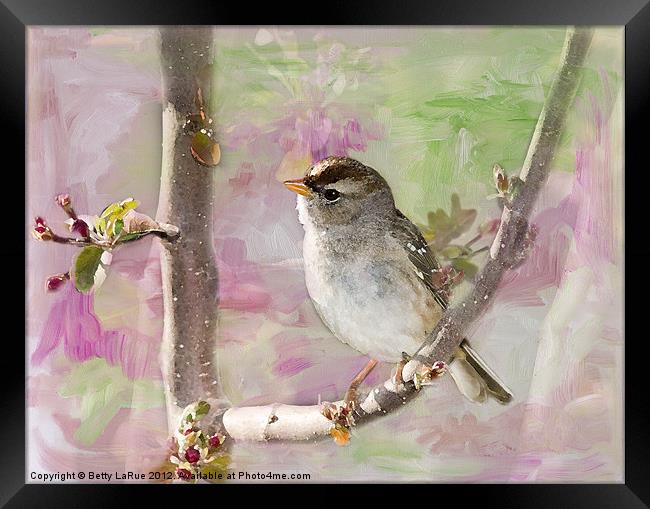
x=433, y=109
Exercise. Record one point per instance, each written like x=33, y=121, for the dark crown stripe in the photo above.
x=344, y=168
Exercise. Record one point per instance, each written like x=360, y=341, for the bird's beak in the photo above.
x=298, y=186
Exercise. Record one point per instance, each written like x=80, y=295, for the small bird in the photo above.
x=370, y=273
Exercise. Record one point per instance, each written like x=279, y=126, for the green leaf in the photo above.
x=110, y=210
x=118, y=226
x=202, y=409
x=101, y=225
x=444, y=228
x=128, y=237
x=515, y=187
x=128, y=204
x=85, y=267
x=132, y=236
x=205, y=150
x=466, y=266
x=116, y=212
x=451, y=252
x=112, y=218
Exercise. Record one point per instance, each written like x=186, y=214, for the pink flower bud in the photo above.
x=63, y=200
x=183, y=473
x=438, y=369
x=41, y=231
x=55, y=282
x=438, y=365
x=80, y=227
x=192, y=455
x=215, y=441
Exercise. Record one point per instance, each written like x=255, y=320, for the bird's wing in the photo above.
x=423, y=260
x=471, y=374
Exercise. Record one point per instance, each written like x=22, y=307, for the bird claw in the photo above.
x=342, y=415
x=351, y=396
x=398, y=379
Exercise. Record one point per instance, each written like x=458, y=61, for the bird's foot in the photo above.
x=342, y=417
x=397, y=379
x=351, y=395
x=425, y=375
x=350, y=399
x=341, y=414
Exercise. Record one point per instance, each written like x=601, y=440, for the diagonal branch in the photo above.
x=508, y=247
x=290, y=422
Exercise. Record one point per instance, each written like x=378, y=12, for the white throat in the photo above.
x=303, y=215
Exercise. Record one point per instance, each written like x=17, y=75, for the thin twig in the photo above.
x=78, y=242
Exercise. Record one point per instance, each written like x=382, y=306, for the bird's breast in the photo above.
x=374, y=304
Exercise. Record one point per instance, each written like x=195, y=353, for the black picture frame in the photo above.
x=17, y=15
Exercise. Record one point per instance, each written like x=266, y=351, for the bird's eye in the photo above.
x=331, y=194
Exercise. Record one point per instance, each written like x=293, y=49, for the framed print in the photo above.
x=331, y=253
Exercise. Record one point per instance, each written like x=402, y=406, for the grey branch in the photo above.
x=189, y=272
x=508, y=248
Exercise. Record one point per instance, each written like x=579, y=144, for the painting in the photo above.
x=454, y=186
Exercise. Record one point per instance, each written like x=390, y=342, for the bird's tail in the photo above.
x=474, y=378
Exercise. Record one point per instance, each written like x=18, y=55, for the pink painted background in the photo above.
x=282, y=99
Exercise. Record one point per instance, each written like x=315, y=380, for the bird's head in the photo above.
x=341, y=190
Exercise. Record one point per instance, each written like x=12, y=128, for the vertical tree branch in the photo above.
x=189, y=272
